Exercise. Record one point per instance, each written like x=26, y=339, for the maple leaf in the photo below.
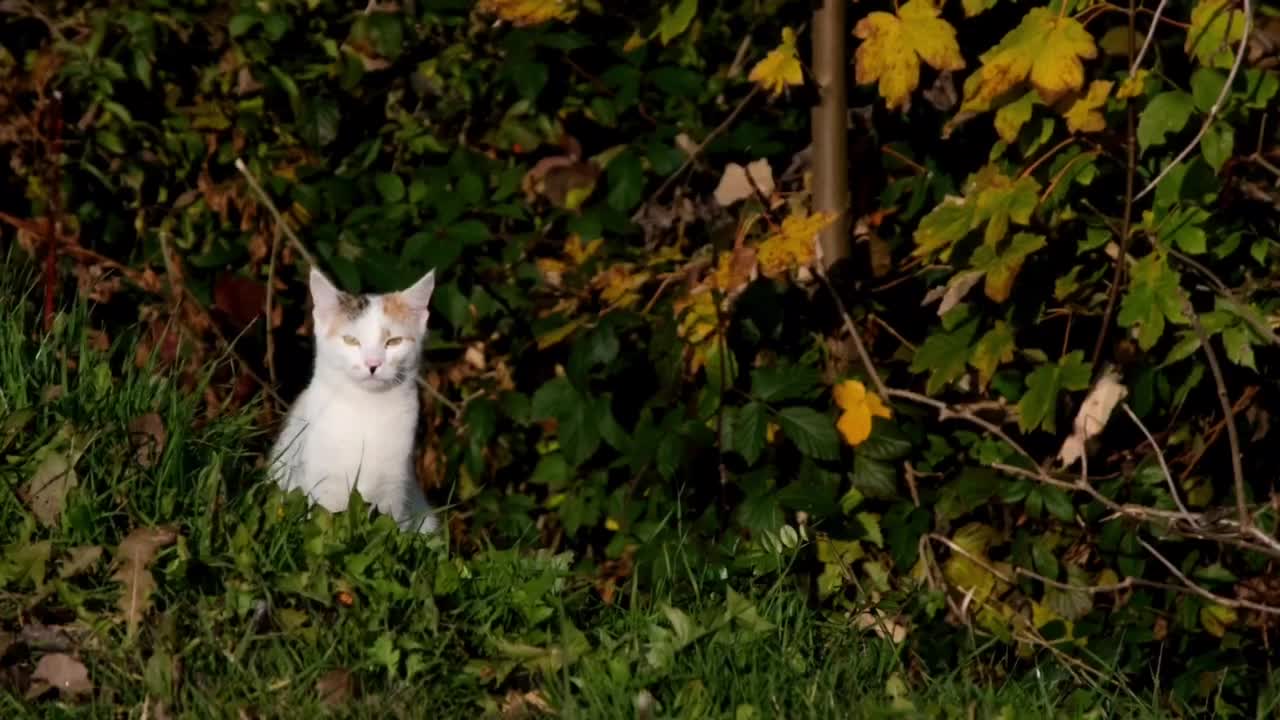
x=1085, y=113
x=859, y=407
x=1037, y=407
x=1001, y=200
x=1133, y=85
x=1002, y=267
x=1153, y=297
x=944, y=226
x=523, y=13
x=944, y=354
x=1214, y=32
x=781, y=67
x=793, y=245
x=1012, y=116
x=1044, y=48
x=894, y=45
x=993, y=350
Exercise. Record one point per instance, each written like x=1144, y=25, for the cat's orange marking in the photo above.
x=397, y=309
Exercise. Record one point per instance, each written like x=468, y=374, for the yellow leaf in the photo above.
x=548, y=339
x=1133, y=85
x=1215, y=619
x=1011, y=117
x=793, y=245
x=1085, y=114
x=1044, y=48
x=859, y=407
x=522, y=13
x=894, y=45
x=577, y=252
x=781, y=67
x=1215, y=32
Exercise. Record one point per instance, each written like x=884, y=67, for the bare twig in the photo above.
x=270, y=305
x=1202, y=592
x=697, y=151
x=275, y=213
x=867, y=365
x=1135, y=63
x=1164, y=467
x=1217, y=104
x=1233, y=438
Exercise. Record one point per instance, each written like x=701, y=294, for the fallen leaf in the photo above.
x=335, y=687
x=894, y=45
x=46, y=492
x=63, y=672
x=1093, y=416
x=148, y=436
x=79, y=560
x=132, y=557
x=735, y=184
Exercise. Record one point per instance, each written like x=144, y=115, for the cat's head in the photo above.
x=372, y=340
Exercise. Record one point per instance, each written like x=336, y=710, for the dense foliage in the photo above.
x=639, y=354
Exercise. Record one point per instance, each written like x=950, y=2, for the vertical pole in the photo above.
x=830, y=128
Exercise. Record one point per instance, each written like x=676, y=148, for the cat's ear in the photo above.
x=418, y=296
x=324, y=295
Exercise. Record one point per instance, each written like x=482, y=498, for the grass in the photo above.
x=257, y=608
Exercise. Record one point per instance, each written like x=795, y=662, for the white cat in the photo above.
x=354, y=425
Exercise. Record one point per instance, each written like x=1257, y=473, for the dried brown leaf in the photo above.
x=46, y=492
x=148, y=436
x=735, y=184
x=335, y=687
x=63, y=672
x=133, y=557
x=80, y=560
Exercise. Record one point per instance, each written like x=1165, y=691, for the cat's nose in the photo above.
x=373, y=364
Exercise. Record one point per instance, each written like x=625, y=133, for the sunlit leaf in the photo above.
x=781, y=67
x=894, y=45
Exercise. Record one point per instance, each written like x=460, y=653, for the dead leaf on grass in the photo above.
x=46, y=492
x=80, y=560
x=523, y=705
x=61, y=671
x=148, y=436
x=133, y=558
x=335, y=687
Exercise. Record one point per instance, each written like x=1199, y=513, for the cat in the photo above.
x=354, y=424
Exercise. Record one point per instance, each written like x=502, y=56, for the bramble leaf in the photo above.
x=894, y=45
x=811, y=431
x=1167, y=113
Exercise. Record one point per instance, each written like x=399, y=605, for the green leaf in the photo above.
x=674, y=22
x=887, y=442
x=626, y=181
x=1167, y=113
x=785, y=382
x=943, y=227
x=1038, y=406
x=993, y=350
x=749, y=431
x=870, y=523
x=390, y=187
x=1001, y=268
x=1206, y=84
x=1153, y=297
x=241, y=24
x=1001, y=201
x=1216, y=29
x=1217, y=144
x=944, y=354
x=875, y=479
x=814, y=433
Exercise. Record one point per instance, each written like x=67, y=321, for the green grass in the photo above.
x=257, y=600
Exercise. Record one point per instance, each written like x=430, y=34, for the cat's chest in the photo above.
x=342, y=431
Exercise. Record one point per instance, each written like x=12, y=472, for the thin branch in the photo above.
x=1202, y=592
x=867, y=365
x=275, y=213
x=697, y=151
x=1164, y=467
x=270, y=305
x=1217, y=104
x=1237, y=466
x=1136, y=63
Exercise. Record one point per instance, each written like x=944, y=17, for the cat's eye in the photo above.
x=392, y=342
x=350, y=340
